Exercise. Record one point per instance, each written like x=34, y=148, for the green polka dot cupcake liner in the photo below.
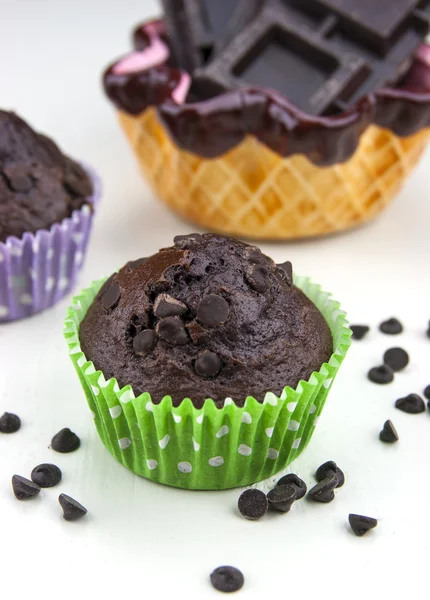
x=209, y=448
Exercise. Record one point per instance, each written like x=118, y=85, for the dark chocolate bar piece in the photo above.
x=323, y=55
x=198, y=28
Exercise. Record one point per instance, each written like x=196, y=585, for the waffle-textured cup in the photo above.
x=39, y=269
x=209, y=448
x=253, y=192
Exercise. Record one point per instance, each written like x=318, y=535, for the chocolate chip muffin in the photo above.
x=39, y=186
x=210, y=317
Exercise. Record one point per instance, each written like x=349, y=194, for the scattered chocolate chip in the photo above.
x=427, y=392
x=299, y=484
x=258, y=278
x=412, y=404
x=323, y=491
x=396, y=358
x=65, y=441
x=46, y=475
x=282, y=497
x=359, y=331
x=253, y=504
x=389, y=433
x=133, y=264
x=391, y=327
x=18, y=180
x=208, y=364
x=328, y=469
x=144, y=342
x=182, y=240
x=227, y=579
x=381, y=375
x=112, y=296
x=9, y=423
x=72, y=510
x=361, y=525
x=24, y=488
x=172, y=331
x=287, y=269
x=254, y=255
x=213, y=310
x=166, y=306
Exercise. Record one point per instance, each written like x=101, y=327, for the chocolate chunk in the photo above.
x=381, y=375
x=361, y=525
x=258, y=278
x=46, y=475
x=166, y=306
x=227, y=579
x=359, y=331
x=328, y=469
x=287, y=269
x=9, y=423
x=172, y=331
x=76, y=180
x=213, y=310
x=253, y=504
x=391, y=326
x=18, y=179
x=396, y=358
x=208, y=364
x=282, y=497
x=72, y=510
x=183, y=241
x=412, y=404
x=133, y=264
x=24, y=488
x=65, y=441
x=144, y=342
x=112, y=296
x=389, y=433
x=427, y=392
x=299, y=484
x=323, y=491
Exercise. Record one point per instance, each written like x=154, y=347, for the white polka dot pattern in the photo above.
x=296, y=443
x=26, y=299
x=96, y=390
x=50, y=283
x=269, y=431
x=291, y=406
x=316, y=421
x=4, y=311
x=115, y=411
x=216, y=461
x=293, y=426
x=244, y=450
x=185, y=467
x=177, y=418
x=149, y=407
x=196, y=445
x=246, y=418
x=124, y=443
x=163, y=442
x=199, y=419
x=328, y=383
x=271, y=399
x=126, y=397
x=228, y=401
x=152, y=464
x=313, y=409
x=272, y=453
x=222, y=432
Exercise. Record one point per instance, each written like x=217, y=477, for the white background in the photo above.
x=141, y=540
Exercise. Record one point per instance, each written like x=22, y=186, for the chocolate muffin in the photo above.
x=39, y=186
x=210, y=317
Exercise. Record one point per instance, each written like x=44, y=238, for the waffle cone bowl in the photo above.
x=253, y=192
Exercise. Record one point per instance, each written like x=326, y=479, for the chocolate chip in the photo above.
x=213, y=310
x=24, y=488
x=72, y=510
x=328, y=469
x=112, y=296
x=391, y=327
x=227, y=579
x=359, y=331
x=18, y=179
x=172, y=331
x=9, y=423
x=133, y=264
x=282, y=497
x=144, y=342
x=381, y=375
x=208, y=364
x=361, y=525
x=46, y=475
x=323, y=491
x=183, y=240
x=76, y=180
x=253, y=504
x=254, y=255
x=389, y=434
x=427, y=392
x=166, y=306
x=396, y=358
x=287, y=269
x=299, y=484
x=412, y=404
x=65, y=441
x=258, y=278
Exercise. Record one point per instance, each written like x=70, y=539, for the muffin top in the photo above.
x=39, y=186
x=210, y=317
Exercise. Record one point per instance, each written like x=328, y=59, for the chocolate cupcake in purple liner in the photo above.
x=47, y=203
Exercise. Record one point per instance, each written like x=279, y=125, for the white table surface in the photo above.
x=142, y=540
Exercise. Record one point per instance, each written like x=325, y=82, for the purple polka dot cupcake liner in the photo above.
x=209, y=448
x=39, y=269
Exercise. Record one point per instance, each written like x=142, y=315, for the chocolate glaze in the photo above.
x=211, y=127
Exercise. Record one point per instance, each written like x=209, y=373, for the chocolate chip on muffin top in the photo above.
x=210, y=317
x=39, y=186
